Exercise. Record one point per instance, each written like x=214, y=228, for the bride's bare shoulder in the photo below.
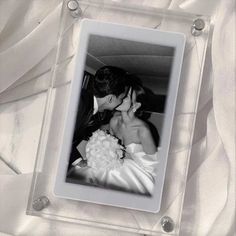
x=140, y=123
x=142, y=126
x=144, y=130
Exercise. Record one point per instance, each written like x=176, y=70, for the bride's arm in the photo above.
x=113, y=124
x=147, y=141
x=107, y=127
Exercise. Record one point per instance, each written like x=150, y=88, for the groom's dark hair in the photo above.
x=109, y=80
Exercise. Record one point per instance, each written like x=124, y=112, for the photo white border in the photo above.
x=111, y=197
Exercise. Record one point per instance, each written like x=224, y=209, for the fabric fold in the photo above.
x=28, y=51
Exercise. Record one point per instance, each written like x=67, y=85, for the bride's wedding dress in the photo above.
x=137, y=173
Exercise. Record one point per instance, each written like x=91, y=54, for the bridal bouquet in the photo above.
x=103, y=151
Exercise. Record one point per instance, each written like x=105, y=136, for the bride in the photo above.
x=129, y=128
x=137, y=173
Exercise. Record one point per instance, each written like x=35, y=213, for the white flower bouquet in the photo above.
x=103, y=151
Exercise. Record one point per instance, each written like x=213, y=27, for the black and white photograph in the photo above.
x=120, y=114
x=117, y=130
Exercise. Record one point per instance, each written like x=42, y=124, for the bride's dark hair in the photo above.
x=135, y=84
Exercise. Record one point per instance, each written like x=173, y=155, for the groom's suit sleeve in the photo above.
x=84, y=114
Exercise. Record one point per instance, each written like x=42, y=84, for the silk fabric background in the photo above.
x=28, y=34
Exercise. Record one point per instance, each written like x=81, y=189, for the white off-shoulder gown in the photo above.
x=136, y=175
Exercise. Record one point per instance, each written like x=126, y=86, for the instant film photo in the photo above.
x=120, y=114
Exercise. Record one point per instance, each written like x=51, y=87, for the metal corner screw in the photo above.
x=197, y=27
x=40, y=203
x=74, y=8
x=167, y=224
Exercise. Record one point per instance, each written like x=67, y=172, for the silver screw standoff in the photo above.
x=40, y=203
x=197, y=27
x=74, y=8
x=167, y=224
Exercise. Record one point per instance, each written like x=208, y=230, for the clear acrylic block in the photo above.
x=42, y=201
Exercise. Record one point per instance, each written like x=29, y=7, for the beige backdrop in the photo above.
x=28, y=33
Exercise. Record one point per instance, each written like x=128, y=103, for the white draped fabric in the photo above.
x=136, y=174
x=28, y=33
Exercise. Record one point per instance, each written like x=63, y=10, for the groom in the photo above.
x=106, y=92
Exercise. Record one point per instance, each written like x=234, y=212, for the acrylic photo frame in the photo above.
x=122, y=35
x=42, y=201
